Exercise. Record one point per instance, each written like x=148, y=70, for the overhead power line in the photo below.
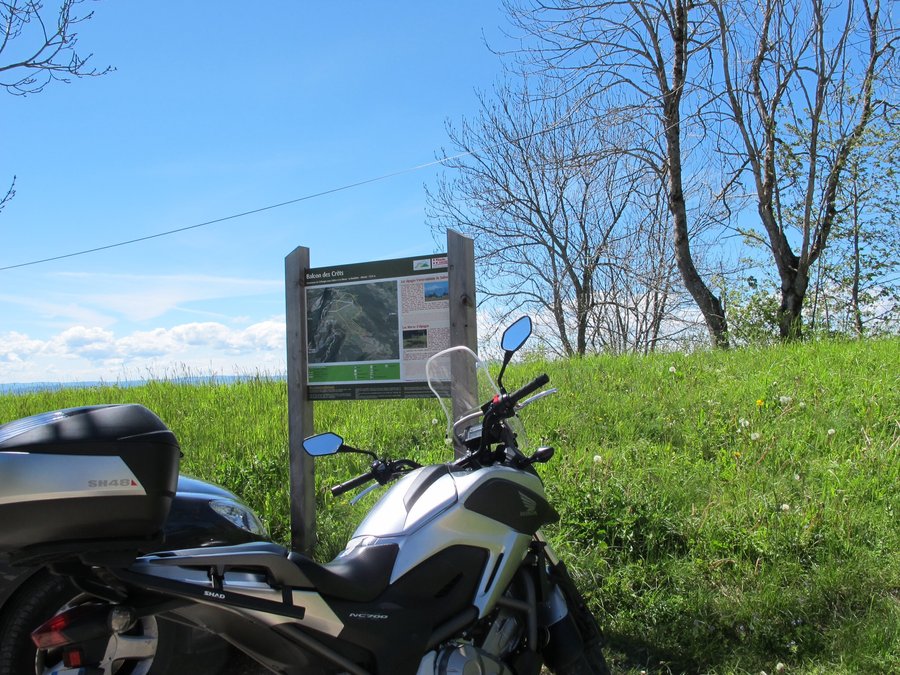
x=234, y=216
x=561, y=124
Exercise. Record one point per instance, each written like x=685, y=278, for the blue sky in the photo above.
x=218, y=108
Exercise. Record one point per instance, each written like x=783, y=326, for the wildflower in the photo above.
x=785, y=507
x=831, y=432
x=744, y=423
x=737, y=455
x=796, y=476
x=754, y=436
x=597, y=459
x=785, y=400
x=801, y=405
x=434, y=421
x=672, y=369
x=760, y=403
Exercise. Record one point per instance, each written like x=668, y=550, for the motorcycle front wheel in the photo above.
x=590, y=662
x=580, y=622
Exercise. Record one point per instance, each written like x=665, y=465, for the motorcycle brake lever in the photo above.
x=532, y=399
x=357, y=497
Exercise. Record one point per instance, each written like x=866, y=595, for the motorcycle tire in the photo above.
x=34, y=603
x=38, y=600
x=590, y=662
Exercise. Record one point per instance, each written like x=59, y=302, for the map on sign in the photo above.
x=372, y=326
x=353, y=322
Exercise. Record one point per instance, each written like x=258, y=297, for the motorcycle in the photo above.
x=201, y=514
x=448, y=573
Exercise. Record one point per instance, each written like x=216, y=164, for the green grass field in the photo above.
x=723, y=512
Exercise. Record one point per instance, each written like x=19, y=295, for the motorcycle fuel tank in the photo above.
x=492, y=509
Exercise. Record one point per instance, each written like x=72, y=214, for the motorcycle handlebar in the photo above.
x=532, y=386
x=509, y=404
x=338, y=490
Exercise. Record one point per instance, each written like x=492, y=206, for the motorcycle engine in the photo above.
x=466, y=660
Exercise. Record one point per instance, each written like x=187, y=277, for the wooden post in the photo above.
x=463, y=324
x=300, y=408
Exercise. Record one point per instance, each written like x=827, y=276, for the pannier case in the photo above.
x=85, y=474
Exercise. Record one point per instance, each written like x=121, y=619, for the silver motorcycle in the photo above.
x=448, y=573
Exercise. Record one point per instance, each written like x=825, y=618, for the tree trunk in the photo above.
x=710, y=305
x=790, y=315
x=857, y=270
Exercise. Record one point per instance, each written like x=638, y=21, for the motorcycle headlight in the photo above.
x=238, y=515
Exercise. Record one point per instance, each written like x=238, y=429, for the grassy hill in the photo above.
x=723, y=512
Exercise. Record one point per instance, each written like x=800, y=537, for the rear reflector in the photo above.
x=73, y=658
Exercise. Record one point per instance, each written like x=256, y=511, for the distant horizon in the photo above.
x=31, y=387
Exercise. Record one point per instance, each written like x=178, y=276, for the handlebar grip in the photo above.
x=532, y=386
x=353, y=483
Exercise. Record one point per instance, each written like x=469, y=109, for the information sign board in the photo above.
x=371, y=327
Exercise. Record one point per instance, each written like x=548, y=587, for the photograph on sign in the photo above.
x=372, y=326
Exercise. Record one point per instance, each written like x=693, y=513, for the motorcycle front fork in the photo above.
x=563, y=622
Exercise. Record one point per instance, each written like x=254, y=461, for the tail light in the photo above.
x=78, y=624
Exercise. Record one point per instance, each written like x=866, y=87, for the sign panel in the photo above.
x=372, y=326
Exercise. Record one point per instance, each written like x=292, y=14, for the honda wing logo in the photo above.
x=529, y=504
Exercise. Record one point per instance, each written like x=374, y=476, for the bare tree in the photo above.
x=648, y=56
x=645, y=305
x=638, y=290
x=10, y=193
x=37, y=46
x=801, y=79
x=552, y=219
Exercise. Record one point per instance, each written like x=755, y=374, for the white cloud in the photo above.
x=66, y=310
x=91, y=352
x=103, y=299
x=153, y=343
x=265, y=336
x=210, y=334
x=141, y=298
x=81, y=341
x=15, y=347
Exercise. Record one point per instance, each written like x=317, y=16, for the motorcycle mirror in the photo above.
x=323, y=444
x=513, y=338
x=516, y=335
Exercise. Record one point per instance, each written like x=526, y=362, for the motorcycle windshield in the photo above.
x=457, y=373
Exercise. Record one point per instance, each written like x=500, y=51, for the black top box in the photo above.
x=85, y=475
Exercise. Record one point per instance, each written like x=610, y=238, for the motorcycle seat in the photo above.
x=359, y=576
